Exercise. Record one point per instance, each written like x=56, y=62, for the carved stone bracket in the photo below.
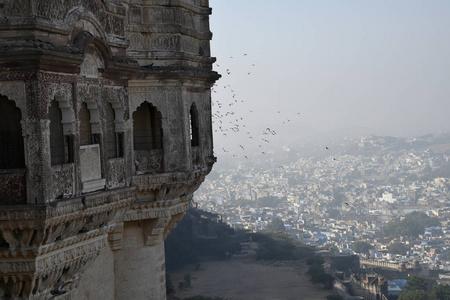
x=33, y=231
x=166, y=186
x=154, y=229
x=34, y=278
x=157, y=218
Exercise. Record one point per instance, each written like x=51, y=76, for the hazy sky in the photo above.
x=379, y=65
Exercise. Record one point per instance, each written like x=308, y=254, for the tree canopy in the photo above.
x=361, y=247
x=276, y=225
x=421, y=288
x=397, y=248
x=411, y=226
x=279, y=246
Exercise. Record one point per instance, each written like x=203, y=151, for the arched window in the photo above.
x=61, y=146
x=12, y=154
x=56, y=134
x=114, y=140
x=193, y=118
x=147, y=127
x=85, y=126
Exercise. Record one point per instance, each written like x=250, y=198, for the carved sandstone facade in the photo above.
x=105, y=134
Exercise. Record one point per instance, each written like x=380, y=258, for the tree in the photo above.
x=315, y=260
x=397, y=248
x=418, y=283
x=338, y=199
x=333, y=213
x=413, y=295
x=441, y=292
x=411, y=226
x=169, y=285
x=187, y=280
x=361, y=247
x=270, y=201
x=276, y=225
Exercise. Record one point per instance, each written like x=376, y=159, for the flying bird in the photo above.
x=60, y=290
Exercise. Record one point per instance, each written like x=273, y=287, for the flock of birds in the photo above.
x=229, y=114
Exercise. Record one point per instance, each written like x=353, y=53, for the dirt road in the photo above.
x=241, y=280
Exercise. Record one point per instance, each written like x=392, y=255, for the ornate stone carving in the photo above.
x=116, y=174
x=13, y=188
x=15, y=91
x=157, y=209
x=156, y=95
x=14, y=8
x=148, y=161
x=63, y=180
x=58, y=10
x=91, y=64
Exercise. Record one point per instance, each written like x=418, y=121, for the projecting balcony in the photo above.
x=41, y=243
x=13, y=187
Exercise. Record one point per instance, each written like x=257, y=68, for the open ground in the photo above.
x=239, y=279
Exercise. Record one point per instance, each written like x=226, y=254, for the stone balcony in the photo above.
x=44, y=245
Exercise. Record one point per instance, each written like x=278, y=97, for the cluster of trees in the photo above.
x=421, y=288
x=361, y=247
x=397, y=248
x=276, y=225
x=442, y=171
x=411, y=226
x=182, y=247
x=270, y=201
x=277, y=246
x=317, y=274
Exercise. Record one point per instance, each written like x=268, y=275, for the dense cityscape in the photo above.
x=348, y=198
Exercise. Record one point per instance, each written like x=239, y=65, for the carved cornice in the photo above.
x=31, y=231
x=143, y=210
x=34, y=278
x=62, y=258
x=168, y=186
x=158, y=180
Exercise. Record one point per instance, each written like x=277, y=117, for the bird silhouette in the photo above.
x=60, y=290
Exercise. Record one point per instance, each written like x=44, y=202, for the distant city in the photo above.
x=347, y=195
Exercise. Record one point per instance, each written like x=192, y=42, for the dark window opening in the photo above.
x=68, y=148
x=119, y=140
x=85, y=126
x=194, y=130
x=147, y=128
x=12, y=154
x=61, y=146
x=114, y=140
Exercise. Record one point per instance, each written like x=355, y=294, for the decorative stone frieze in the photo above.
x=15, y=91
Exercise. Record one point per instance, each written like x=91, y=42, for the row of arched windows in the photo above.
x=147, y=133
x=61, y=146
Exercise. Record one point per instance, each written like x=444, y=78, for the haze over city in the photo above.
x=347, y=67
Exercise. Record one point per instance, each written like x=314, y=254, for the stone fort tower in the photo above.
x=105, y=133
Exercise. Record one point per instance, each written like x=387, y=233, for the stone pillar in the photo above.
x=35, y=159
x=140, y=269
